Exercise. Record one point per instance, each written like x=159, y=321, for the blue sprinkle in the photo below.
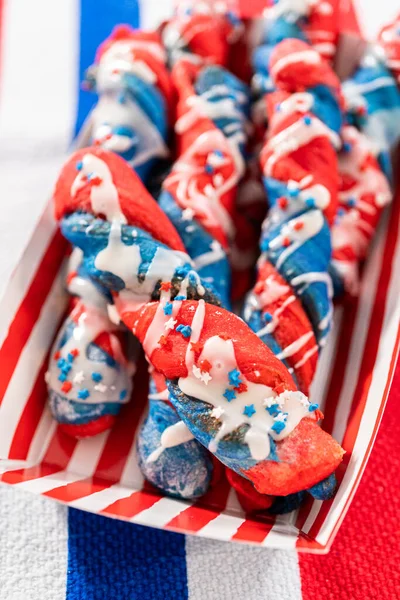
x=293, y=192
x=346, y=147
x=168, y=308
x=123, y=394
x=70, y=357
x=351, y=202
x=66, y=368
x=61, y=362
x=310, y=202
x=341, y=212
x=229, y=394
x=234, y=377
x=182, y=271
x=268, y=317
x=97, y=376
x=180, y=297
x=83, y=394
x=278, y=426
x=62, y=377
x=185, y=330
x=249, y=410
x=278, y=107
x=110, y=361
x=273, y=410
x=209, y=169
x=307, y=120
x=90, y=176
x=219, y=153
x=264, y=246
x=313, y=407
x=79, y=165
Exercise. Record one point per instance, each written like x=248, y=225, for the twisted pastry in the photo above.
x=89, y=375
x=315, y=21
x=135, y=106
x=246, y=410
x=290, y=307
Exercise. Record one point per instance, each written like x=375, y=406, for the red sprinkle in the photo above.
x=163, y=340
x=259, y=287
x=242, y=387
x=282, y=202
x=286, y=242
x=165, y=286
x=205, y=366
x=115, y=71
x=74, y=352
x=298, y=226
x=196, y=346
x=279, y=389
x=96, y=180
x=66, y=386
x=57, y=355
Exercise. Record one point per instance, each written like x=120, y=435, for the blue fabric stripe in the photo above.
x=97, y=20
x=110, y=559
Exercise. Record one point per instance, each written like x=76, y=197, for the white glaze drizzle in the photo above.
x=295, y=346
x=310, y=57
x=172, y=436
x=104, y=197
x=220, y=353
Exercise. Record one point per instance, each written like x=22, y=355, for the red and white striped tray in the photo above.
x=101, y=475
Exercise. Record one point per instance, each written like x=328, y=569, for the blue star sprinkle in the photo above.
x=346, y=147
x=313, y=407
x=209, y=169
x=83, y=394
x=249, y=410
x=70, y=357
x=66, y=368
x=293, y=192
x=168, y=308
x=229, y=395
x=234, y=377
x=180, y=297
x=273, y=410
x=79, y=165
x=62, y=377
x=351, y=202
x=310, y=202
x=278, y=426
x=185, y=330
x=123, y=394
x=60, y=363
x=97, y=377
x=307, y=120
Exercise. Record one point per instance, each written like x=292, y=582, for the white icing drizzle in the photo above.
x=299, y=102
x=309, y=278
x=310, y=57
x=172, y=436
x=196, y=326
x=306, y=357
x=295, y=346
x=215, y=254
x=312, y=221
x=220, y=353
x=294, y=137
x=110, y=113
x=270, y=327
x=206, y=203
x=104, y=197
x=124, y=262
x=164, y=395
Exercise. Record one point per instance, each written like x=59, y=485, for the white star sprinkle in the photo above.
x=281, y=417
x=100, y=387
x=268, y=402
x=170, y=324
x=205, y=377
x=188, y=214
x=217, y=412
x=79, y=377
x=196, y=372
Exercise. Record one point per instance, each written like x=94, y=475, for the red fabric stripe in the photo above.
x=363, y=562
x=29, y=311
x=198, y=515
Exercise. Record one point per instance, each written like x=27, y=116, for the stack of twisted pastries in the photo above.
x=160, y=269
